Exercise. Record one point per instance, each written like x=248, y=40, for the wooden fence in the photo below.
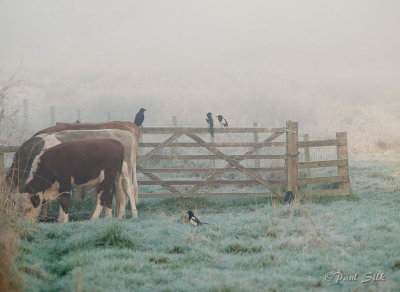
x=290, y=180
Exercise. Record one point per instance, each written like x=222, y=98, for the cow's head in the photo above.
x=23, y=160
x=29, y=205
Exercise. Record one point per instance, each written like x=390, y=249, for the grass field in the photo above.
x=249, y=244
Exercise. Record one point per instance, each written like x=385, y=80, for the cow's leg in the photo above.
x=62, y=216
x=106, y=199
x=135, y=184
x=132, y=173
x=120, y=197
x=108, y=213
x=63, y=212
x=97, y=209
x=129, y=188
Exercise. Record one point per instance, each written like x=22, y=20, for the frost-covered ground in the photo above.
x=249, y=245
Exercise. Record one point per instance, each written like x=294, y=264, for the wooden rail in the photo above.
x=286, y=178
x=204, y=130
x=301, y=144
x=202, y=157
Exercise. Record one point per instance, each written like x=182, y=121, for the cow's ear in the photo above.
x=35, y=199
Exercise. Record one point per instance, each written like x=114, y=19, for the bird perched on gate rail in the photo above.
x=193, y=219
x=210, y=123
x=222, y=121
x=139, y=118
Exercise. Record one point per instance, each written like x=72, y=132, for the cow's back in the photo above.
x=127, y=126
x=83, y=156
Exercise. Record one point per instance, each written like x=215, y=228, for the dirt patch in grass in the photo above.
x=396, y=265
x=178, y=249
x=237, y=248
x=160, y=260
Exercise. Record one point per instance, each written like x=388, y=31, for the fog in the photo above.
x=331, y=65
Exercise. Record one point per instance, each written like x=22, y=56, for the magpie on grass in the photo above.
x=222, y=121
x=139, y=118
x=193, y=219
x=210, y=123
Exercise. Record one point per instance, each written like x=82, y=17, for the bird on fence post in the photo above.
x=222, y=121
x=139, y=118
x=210, y=123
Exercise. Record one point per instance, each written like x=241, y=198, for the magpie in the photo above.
x=288, y=198
x=210, y=123
x=193, y=219
x=139, y=118
x=222, y=121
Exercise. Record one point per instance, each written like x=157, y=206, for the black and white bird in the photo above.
x=193, y=219
x=222, y=121
x=139, y=118
x=210, y=123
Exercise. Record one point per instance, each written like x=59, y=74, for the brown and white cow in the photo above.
x=86, y=163
x=125, y=132
x=126, y=126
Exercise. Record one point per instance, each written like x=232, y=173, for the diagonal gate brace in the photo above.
x=159, y=147
x=234, y=163
x=153, y=177
x=251, y=151
x=155, y=151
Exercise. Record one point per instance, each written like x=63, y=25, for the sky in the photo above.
x=250, y=59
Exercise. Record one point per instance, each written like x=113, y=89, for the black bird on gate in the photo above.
x=193, y=219
x=222, y=121
x=139, y=118
x=210, y=123
x=289, y=197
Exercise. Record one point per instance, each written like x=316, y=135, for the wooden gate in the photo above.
x=273, y=188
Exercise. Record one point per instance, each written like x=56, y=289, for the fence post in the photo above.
x=2, y=157
x=25, y=106
x=212, y=161
x=174, y=124
x=25, y=114
x=108, y=116
x=342, y=154
x=52, y=116
x=78, y=115
x=255, y=140
x=307, y=154
x=292, y=153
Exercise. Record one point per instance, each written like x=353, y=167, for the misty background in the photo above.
x=330, y=65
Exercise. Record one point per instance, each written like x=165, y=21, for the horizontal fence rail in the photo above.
x=154, y=162
x=301, y=144
x=174, y=130
x=208, y=170
x=207, y=157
